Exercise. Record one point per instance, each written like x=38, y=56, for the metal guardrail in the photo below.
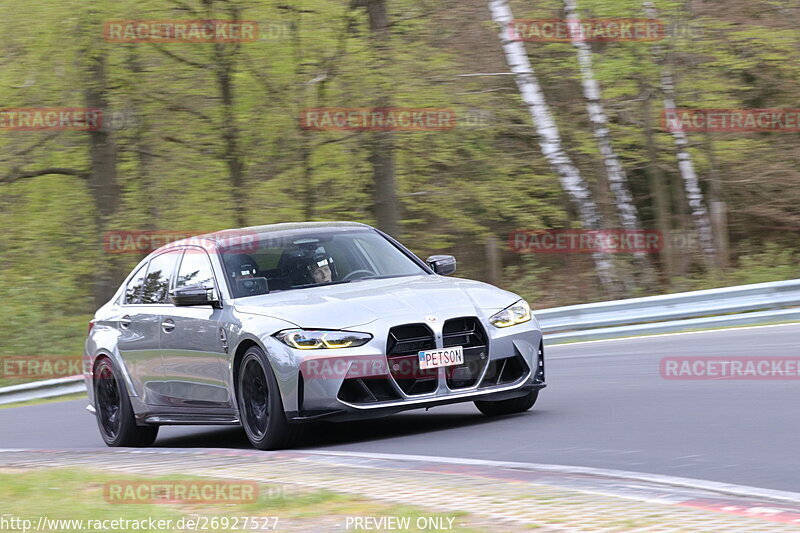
x=730, y=306
x=38, y=390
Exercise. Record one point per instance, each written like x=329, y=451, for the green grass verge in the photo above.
x=76, y=494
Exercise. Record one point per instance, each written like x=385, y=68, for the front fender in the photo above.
x=259, y=329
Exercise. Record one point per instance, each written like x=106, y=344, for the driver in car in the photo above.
x=243, y=270
x=315, y=265
x=321, y=271
x=241, y=266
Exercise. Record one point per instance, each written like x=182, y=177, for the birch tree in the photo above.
x=617, y=180
x=549, y=136
x=691, y=183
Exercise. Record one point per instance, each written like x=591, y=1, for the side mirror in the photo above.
x=444, y=265
x=194, y=295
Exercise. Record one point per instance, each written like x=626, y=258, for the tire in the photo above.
x=508, y=407
x=113, y=410
x=260, y=405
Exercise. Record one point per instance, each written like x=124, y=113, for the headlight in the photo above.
x=313, y=339
x=516, y=314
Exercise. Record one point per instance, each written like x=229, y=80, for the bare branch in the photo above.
x=43, y=172
x=486, y=74
x=340, y=139
x=178, y=58
x=36, y=145
x=421, y=15
x=172, y=106
x=184, y=6
x=255, y=71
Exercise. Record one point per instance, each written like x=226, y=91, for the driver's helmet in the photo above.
x=241, y=266
x=311, y=257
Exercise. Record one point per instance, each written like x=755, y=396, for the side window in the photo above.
x=156, y=283
x=195, y=269
x=133, y=292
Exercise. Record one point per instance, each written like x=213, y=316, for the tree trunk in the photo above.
x=225, y=70
x=660, y=193
x=719, y=209
x=382, y=160
x=143, y=145
x=230, y=135
x=615, y=174
x=232, y=153
x=381, y=144
x=306, y=185
x=494, y=265
x=617, y=180
x=102, y=176
x=550, y=138
x=694, y=195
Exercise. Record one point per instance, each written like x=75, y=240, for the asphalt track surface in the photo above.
x=606, y=406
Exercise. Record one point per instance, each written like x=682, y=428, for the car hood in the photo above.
x=361, y=302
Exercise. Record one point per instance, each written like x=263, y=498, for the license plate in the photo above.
x=443, y=357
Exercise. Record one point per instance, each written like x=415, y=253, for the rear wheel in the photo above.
x=113, y=410
x=507, y=407
x=260, y=406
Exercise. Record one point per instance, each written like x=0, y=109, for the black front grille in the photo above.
x=401, y=351
x=466, y=332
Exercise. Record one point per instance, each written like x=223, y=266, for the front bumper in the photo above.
x=377, y=411
x=513, y=367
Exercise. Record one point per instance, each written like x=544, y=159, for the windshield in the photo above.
x=313, y=258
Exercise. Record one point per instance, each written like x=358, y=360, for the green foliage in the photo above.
x=485, y=177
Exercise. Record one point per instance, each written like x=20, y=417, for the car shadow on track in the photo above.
x=325, y=434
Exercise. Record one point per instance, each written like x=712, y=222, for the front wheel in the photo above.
x=114, y=412
x=260, y=406
x=508, y=407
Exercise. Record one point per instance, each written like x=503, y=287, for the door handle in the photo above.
x=125, y=322
x=168, y=325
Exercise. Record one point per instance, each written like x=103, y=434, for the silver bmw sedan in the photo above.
x=272, y=326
